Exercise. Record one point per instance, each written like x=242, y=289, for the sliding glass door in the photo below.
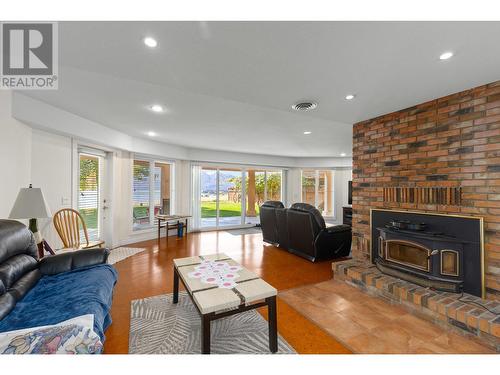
x=208, y=197
x=230, y=184
x=231, y=197
x=254, y=194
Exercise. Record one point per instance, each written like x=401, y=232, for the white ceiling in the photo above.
x=230, y=85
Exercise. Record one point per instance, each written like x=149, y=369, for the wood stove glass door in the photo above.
x=408, y=253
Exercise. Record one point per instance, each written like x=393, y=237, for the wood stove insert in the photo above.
x=445, y=253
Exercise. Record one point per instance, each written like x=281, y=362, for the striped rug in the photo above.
x=157, y=326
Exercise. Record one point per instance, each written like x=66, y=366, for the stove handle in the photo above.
x=433, y=252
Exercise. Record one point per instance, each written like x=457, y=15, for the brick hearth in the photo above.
x=463, y=315
x=450, y=142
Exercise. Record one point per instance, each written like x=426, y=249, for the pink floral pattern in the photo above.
x=217, y=273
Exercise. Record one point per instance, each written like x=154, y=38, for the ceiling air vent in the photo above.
x=304, y=106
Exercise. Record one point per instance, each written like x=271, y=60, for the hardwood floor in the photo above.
x=150, y=273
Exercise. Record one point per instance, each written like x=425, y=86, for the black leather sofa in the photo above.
x=21, y=273
x=301, y=230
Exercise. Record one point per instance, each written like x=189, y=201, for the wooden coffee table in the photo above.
x=220, y=287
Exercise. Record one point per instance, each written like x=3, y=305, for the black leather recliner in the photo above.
x=310, y=238
x=268, y=221
x=20, y=269
x=282, y=221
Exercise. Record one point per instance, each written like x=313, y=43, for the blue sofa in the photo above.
x=36, y=293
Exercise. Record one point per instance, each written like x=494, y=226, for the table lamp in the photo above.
x=30, y=204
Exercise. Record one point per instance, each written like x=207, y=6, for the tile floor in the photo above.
x=367, y=324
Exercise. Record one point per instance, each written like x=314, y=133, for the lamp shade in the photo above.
x=30, y=204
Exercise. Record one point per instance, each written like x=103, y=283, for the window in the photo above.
x=88, y=194
x=152, y=192
x=317, y=190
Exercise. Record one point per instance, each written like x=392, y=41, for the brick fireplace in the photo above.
x=442, y=156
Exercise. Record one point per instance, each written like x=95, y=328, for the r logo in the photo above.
x=27, y=49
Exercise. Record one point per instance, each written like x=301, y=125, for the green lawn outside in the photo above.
x=226, y=209
x=90, y=215
x=208, y=210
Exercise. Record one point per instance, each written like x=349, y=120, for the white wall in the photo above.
x=294, y=186
x=15, y=155
x=341, y=191
x=51, y=170
x=318, y=163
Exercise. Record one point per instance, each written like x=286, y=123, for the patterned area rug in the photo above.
x=157, y=326
x=121, y=253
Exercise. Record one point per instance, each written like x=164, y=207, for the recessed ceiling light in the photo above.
x=152, y=134
x=446, y=56
x=349, y=97
x=343, y=154
x=307, y=132
x=156, y=108
x=150, y=42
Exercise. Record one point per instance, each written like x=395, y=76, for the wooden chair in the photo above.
x=67, y=222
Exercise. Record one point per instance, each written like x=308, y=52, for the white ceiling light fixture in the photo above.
x=157, y=108
x=151, y=134
x=150, y=42
x=350, y=97
x=446, y=56
x=307, y=132
x=343, y=154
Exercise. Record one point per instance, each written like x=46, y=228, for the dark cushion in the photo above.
x=339, y=228
x=18, y=264
x=275, y=204
x=72, y=260
x=306, y=207
x=268, y=223
x=282, y=222
x=15, y=239
x=7, y=304
x=15, y=267
x=24, y=284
